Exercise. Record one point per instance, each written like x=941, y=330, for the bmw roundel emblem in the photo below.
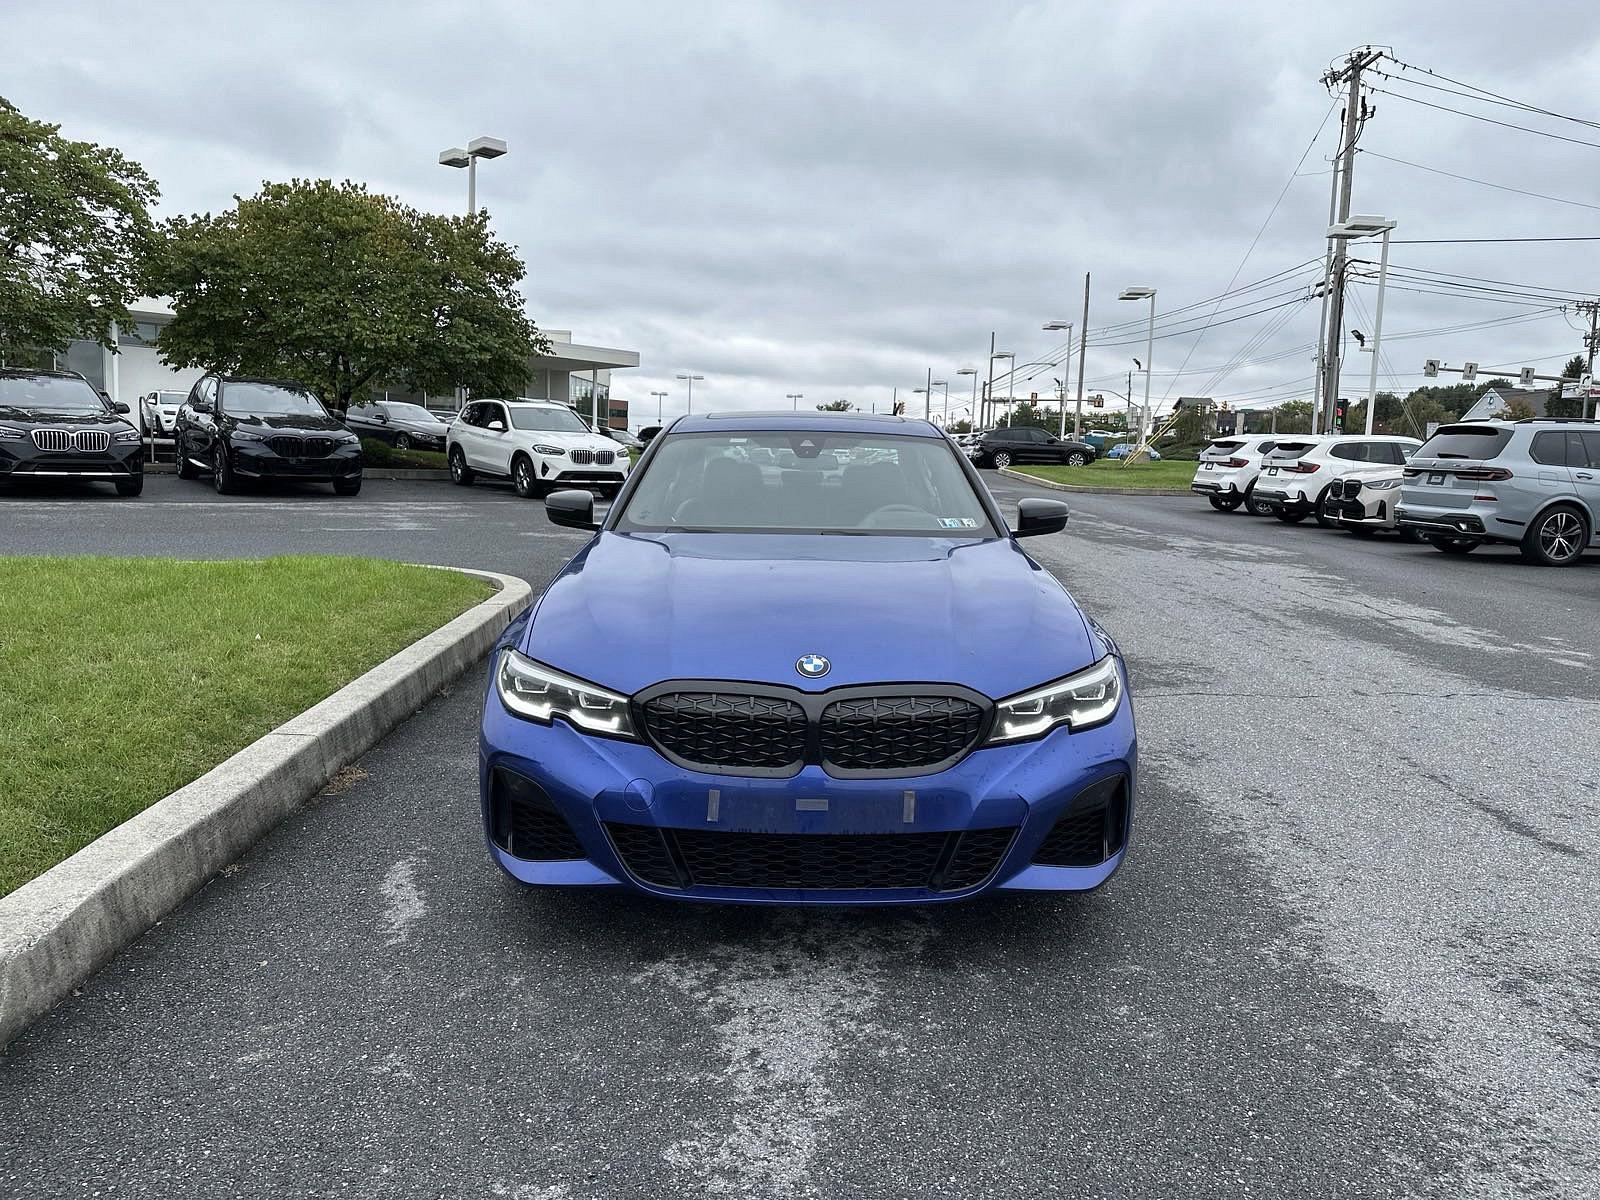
x=812, y=666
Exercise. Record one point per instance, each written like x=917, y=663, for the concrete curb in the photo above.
x=1092, y=491
x=59, y=929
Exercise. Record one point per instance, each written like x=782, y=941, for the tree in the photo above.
x=1577, y=366
x=1514, y=408
x=1294, y=416
x=75, y=236
x=840, y=405
x=341, y=289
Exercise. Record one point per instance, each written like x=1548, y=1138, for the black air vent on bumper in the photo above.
x=1093, y=828
x=525, y=821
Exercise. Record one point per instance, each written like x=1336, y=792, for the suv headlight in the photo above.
x=7, y=434
x=539, y=693
x=246, y=435
x=550, y=450
x=1079, y=701
x=1381, y=485
x=126, y=436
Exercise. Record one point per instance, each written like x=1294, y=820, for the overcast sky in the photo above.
x=832, y=197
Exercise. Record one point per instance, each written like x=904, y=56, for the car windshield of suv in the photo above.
x=549, y=420
x=1477, y=442
x=410, y=412
x=53, y=394
x=269, y=400
x=800, y=481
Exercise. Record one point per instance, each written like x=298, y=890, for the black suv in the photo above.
x=237, y=429
x=54, y=425
x=1024, y=444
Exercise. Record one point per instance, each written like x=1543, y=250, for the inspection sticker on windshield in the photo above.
x=958, y=523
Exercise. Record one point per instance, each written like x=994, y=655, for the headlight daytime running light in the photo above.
x=538, y=693
x=126, y=436
x=553, y=451
x=1079, y=701
x=1382, y=485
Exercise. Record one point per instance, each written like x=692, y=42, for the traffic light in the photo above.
x=1340, y=407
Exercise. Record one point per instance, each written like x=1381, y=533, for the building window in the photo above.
x=138, y=333
x=88, y=360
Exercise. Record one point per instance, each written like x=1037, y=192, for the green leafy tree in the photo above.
x=75, y=236
x=1294, y=416
x=1577, y=366
x=339, y=288
x=835, y=406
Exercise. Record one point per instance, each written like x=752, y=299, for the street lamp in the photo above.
x=478, y=147
x=1012, y=359
x=689, y=379
x=796, y=397
x=660, y=398
x=1066, y=372
x=973, y=371
x=1145, y=293
x=1360, y=227
x=941, y=383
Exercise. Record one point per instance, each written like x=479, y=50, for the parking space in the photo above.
x=1353, y=952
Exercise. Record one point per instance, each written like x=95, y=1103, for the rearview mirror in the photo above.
x=1036, y=516
x=574, y=508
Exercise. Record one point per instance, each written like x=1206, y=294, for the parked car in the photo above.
x=1367, y=502
x=537, y=444
x=237, y=428
x=1533, y=484
x=624, y=438
x=1024, y=444
x=55, y=425
x=648, y=434
x=766, y=726
x=160, y=412
x=1296, y=474
x=1230, y=467
x=1127, y=449
x=403, y=426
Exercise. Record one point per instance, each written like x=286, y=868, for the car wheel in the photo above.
x=1454, y=545
x=1077, y=459
x=1556, y=538
x=1325, y=518
x=1224, y=503
x=1002, y=459
x=131, y=487
x=1256, y=508
x=222, y=477
x=460, y=473
x=347, y=487
x=522, y=476
x=1290, y=516
x=402, y=441
x=1411, y=535
x=185, y=467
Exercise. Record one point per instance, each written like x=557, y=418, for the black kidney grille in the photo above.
x=723, y=729
x=1093, y=828
x=301, y=447
x=1352, y=488
x=883, y=733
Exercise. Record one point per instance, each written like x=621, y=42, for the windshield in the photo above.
x=551, y=420
x=1481, y=442
x=807, y=482
x=410, y=412
x=270, y=400
x=49, y=394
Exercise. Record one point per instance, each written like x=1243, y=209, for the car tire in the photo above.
x=460, y=473
x=1290, y=516
x=1324, y=518
x=402, y=441
x=1001, y=459
x=1256, y=508
x=522, y=477
x=1077, y=459
x=347, y=487
x=1454, y=545
x=131, y=487
x=1224, y=503
x=222, y=477
x=185, y=467
x=1556, y=537
x=1411, y=535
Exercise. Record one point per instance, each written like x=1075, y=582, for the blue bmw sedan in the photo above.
x=804, y=660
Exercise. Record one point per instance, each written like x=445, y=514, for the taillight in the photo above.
x=1237, y=462
x=1305, y=468
x=1411, y=472
x=1493, y=474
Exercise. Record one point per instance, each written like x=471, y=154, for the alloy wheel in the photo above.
x=1002, y=460
x=1561, y=536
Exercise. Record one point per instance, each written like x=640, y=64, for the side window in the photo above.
x=1265, y=448
x=1036, y=435
x=496, y=412
x=1549, y=448
x=1405, y=451
x=208, y=390
x=1350, y=451
x=470, y=414
x=1591, y=446
x=1577, y=452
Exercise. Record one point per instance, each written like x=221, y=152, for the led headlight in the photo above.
x=538, y=693
x=241, y=434
x=1381, y=485
x=127, y=435
x=7, y=434
x=551, y=450
x=1079, y=701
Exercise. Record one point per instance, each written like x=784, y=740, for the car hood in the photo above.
x=28, y=418
x=418, y=425
x=632, y=610
x=298, y=423
x=572, y=441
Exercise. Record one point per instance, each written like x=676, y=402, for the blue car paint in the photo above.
x=632, y=610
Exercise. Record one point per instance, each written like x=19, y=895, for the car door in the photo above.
x=496, y=435
x=1583, y=460
x=200, y=426
x=464, y=433
x=368, y=420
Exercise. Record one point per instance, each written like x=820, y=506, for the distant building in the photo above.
x=1497, y=398
x=570, y=373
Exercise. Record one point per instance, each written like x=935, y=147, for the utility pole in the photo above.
x=988, y=386
x=1083, y=345
x=1355, y=117
x=927, y=398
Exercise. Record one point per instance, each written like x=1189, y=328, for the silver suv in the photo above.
x=1534, y=484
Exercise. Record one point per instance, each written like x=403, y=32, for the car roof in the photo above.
x=819, y=422
x=283, y=383
x=32, y=372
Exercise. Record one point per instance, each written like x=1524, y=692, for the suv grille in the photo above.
x=603, y=458
x=776, y=731
x=1092, y=829
x=91, y=441
x=301, y=447
x=688, y=858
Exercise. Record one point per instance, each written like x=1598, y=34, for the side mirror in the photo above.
x=381, y=418
x=120, y=407
x=574, y=508
x=1036, y=516
x=496, y=426
x=201, y=406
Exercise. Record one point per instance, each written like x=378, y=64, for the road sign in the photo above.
x=1469, y=372
x=1526, y=378
x=1430, y=369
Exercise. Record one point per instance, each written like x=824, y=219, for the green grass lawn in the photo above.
x=1106, y=473
x=121, y=680
x=380, y=454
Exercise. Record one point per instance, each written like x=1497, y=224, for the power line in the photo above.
x=1560, y=137
x=1486, y=95
x=1484, y=182
x=1478, y=240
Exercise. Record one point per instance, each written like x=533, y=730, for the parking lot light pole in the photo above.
x=940, y=383
x=689, y=379
x=1010, y=359
x=660, y=400
x=796, y=397
x=1145, y=293
x=1066, y=373
x=973, y=371
x=478, y=147
x=1360, y=227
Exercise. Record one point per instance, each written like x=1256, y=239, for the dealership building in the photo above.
x=569, y=372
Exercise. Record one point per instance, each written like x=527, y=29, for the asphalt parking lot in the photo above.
x=1354, y=952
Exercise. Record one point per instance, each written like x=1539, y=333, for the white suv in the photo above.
x=1229, y=467
x=1297, y=474
x=537, y=444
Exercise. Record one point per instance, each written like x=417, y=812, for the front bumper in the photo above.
x=120, y=461
x=1048, y=815
x=257, y=460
